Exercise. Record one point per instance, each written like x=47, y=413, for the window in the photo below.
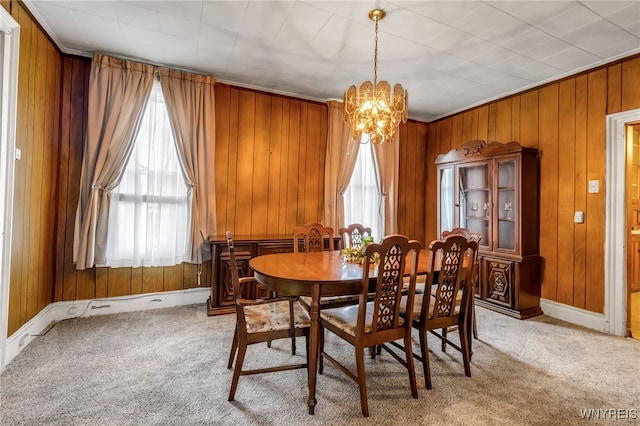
x=362, y=201
x=150, y=208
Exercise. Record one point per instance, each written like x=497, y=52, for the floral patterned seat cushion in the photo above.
x=346, y=318
x=274, y=316
x=332, y=301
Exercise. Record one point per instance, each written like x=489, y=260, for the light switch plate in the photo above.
x=594, y=186
x=578, y=217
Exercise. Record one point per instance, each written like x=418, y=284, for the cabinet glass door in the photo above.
x=507, y=204
x=446, y=199
x=475, y=210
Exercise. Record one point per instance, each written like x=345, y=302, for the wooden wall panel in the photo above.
x=548, y=146
x=614, y=92
x=580, y=193
x=631, y=84
x=596, y=143
x=566, y=122
x=275, y=177
x=33, y=236
x=412, y=180
x=566, y=190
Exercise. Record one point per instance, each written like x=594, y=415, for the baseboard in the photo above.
x=59, y=311
x=573, y=315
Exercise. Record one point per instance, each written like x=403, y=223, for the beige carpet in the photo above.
x=168, y=367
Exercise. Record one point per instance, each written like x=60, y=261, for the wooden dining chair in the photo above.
x=473, y=236
x=447, y=303
x=373, y=323
x=313, y=236
x=352, y=234
x=262, y=320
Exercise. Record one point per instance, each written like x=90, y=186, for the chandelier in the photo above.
x=373, y=109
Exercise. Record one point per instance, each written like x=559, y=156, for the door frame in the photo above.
x=615, y=252
x=8, y=96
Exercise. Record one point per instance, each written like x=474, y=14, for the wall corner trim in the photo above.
x=59, y=311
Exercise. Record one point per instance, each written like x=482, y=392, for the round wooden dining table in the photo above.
x=315, y=274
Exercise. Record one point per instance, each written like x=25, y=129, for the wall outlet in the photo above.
x=594, y=186
x=18, y=154
x=578, y=217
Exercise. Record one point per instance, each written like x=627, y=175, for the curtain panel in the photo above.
x=387, y=158
x=342, y=153
x=190, y=101
x=118, y=93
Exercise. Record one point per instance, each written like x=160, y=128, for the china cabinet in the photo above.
x=492, y=189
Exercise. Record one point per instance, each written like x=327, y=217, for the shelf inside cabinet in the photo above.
x=478, y=218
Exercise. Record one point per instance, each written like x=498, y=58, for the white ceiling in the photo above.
x=449, y=55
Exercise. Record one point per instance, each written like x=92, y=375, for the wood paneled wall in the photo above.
x=566, y=122
x=412, y=182
x=33, y=236
x=270, y=155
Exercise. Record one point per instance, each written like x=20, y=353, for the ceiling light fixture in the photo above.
x=372, y=108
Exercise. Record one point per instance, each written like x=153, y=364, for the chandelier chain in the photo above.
x=375, y=58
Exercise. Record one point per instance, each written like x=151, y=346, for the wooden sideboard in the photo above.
x=221, y=300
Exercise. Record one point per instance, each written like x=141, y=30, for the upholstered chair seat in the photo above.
x=346, y=319
x=274, y=316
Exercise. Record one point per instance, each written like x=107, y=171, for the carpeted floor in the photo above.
x=168, y=367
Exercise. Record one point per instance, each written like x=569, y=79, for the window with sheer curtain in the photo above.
x=149, y=212
x=362, y=201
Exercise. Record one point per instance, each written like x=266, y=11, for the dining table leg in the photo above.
x=314, y=332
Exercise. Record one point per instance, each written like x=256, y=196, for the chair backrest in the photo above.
x=448, y=260
x=472, y=236
x=392, y=255
x=468, y=234
x=313, y=235
x=233, y=267
x=352, y=234
x=235, y=281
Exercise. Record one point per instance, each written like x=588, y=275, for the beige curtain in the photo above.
x=387, y=157
x=190, y=101
x=342, y=152
x=118, y=93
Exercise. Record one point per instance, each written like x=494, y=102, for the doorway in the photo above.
x=616, y=296
x=633, y=226
x=9, y=45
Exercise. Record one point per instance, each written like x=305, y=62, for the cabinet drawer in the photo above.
x=272, y=248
